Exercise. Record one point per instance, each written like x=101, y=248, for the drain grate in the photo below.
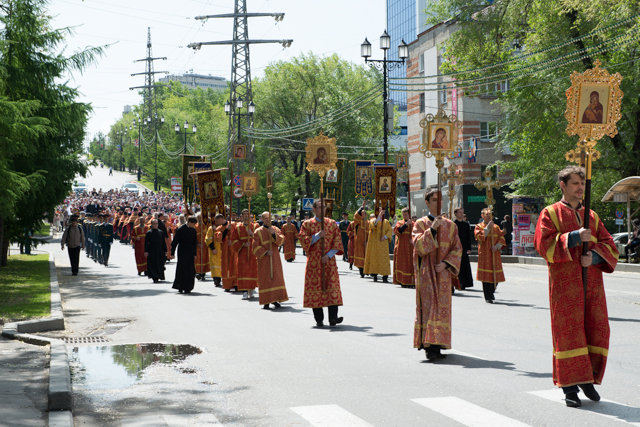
x=85, y=340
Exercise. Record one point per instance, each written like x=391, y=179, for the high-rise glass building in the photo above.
x=405, y=20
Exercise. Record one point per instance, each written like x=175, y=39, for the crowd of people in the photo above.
x=430, y=254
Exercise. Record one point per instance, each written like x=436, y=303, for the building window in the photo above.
x=421, y=63
x=502, y=86
x=488, y=131
x=422, y=103
x=442, y=95
x=423, y=180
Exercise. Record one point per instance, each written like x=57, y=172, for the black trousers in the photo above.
x=74, y=258
x=488, y=289
x=318, y=313
x=106, y=250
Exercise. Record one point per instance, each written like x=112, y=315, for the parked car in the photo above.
x=79, y=187
x=621, y=240
x=131, y=188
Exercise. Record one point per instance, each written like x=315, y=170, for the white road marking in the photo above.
x=605, y=408
x=329, y=416
x=190, y=420
x=467, y=413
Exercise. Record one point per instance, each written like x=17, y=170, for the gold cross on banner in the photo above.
x=584, y=154
x=453, y=179
x=488, y=185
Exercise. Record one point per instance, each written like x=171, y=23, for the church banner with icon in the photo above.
x=188, y=184
x=333, y=181
x=385, y=185
x=211, y=193
x=364, y=178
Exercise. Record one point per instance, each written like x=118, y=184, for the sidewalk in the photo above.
x=24, y=383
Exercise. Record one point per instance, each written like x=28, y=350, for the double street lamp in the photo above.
x=235, y=113
x=385, y=65
x=186, y=128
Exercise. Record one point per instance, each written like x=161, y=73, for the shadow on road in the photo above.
x=476, y=363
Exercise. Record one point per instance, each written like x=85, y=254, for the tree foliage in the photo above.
x=290, y=93
x=534, y=124
x=42, y=123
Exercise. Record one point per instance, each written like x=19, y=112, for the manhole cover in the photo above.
x=85, y=340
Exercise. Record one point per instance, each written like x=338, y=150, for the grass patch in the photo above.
x=24, y=288
x=44, y=230
x=149, y=185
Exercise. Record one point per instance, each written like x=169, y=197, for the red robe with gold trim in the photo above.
x=270, y=278
x=314, y=296
x=487, y=266
x=290, y=233
x=229, y=257
x=580, y=337
x=403, y=272
x=351, y=232
x=137, y=241
x=247, y=263
x=433, y=290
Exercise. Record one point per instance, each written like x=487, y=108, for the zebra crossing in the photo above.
x=471, y=414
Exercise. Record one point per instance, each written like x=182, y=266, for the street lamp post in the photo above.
x=155, y=137
x=139, y=122
x=186, y=128
x=385, y=65
x=120, y=134
x=251, y=109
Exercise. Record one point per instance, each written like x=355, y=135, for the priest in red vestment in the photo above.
x=403, y=251
x=316, y=293
x=490, y=242
x=242, y=244
x=290, y=233
x=266, y=241
x=137, y=241
x=579, y=320
x=436, y=257
x=224, y=236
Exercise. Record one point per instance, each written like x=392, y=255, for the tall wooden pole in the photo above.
x=322, y=269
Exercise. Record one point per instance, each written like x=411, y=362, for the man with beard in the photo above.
x=186, y=241
x=154, y=249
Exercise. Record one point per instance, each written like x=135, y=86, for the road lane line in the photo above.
x=329, y=416
x=467, y=413
x=605, y=408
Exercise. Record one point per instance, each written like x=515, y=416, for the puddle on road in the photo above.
x=120, y=366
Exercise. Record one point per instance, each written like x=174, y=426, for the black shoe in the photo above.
x=335, y=321
x=155, y=280
x=319, y=324
x=350, y=266
x=489, y=301
x=277, y=304
x=375, y=277
x=385, y=279
x=432, y=354
x=139, y=273
x=179, y=291
x=572, y=400
x=227, y=290
x=265, y=307
x=590, y=391
x=453, y=290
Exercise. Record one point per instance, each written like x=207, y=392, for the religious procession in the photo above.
x=456, y=220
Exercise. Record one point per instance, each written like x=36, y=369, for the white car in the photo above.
x=131, y=188
x=79, y=187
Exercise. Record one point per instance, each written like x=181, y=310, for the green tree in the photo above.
x=303, y=90
x=44, y=140
x=522, y=34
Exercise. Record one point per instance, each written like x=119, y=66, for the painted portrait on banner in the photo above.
x=401, y=161
x=364, y=178
x=210, y=190
x=332, y=175
x=593, y=103
x=439, y=137
x=385, y=185
x=321, y=155
x=239, y=151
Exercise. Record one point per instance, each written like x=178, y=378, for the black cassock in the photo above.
x=464, y=233
x=156, y=247
x=186, y=240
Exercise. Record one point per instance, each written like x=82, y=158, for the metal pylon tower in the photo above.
x=241, y=95
x=149, y=114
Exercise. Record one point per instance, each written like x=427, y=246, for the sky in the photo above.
x=322, y=27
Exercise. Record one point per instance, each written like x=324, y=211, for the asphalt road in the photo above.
x=260, y=367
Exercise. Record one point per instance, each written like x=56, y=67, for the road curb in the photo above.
x=60, y=391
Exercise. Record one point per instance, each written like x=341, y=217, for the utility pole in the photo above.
x=241, y=95
x=150, y=109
